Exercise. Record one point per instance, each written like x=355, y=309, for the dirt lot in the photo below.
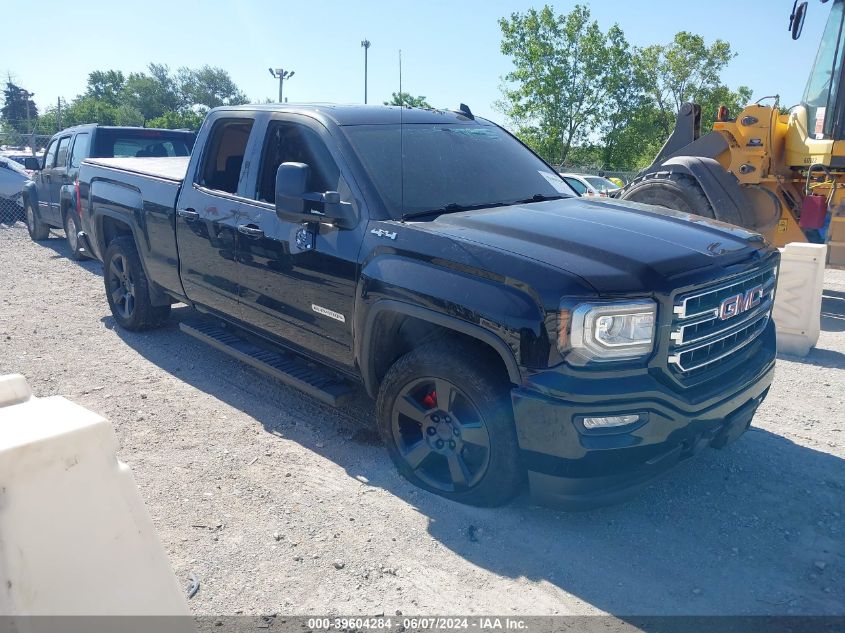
x=279, y=504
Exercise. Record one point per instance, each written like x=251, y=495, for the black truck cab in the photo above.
x=508, y=329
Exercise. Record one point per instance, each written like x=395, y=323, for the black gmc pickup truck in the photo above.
x=509, y=329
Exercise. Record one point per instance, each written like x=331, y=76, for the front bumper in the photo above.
x=573, y=468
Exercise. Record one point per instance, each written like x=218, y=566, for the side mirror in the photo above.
x=32, y=163
x=796, y=19
x=292, y=198
x=291, y=180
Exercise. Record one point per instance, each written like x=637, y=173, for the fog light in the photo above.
x=610, y=420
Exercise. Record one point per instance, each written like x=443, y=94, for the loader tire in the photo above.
x=673, y=191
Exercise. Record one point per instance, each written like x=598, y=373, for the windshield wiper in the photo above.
x=538, y=197
x=452, y=207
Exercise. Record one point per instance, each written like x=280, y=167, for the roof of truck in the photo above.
x=357, y=114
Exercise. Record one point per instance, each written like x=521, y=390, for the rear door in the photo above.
x=208, y=214
x=60, y=178
x=302, y=296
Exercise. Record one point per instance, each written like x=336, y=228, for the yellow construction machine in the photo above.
x=782, y=174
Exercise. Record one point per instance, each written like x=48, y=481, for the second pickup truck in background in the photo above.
x=50, y=199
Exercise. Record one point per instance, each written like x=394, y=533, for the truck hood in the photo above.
x=614, y=246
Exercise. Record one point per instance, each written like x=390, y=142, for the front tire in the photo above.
x=445, y=415
x=71, y=226
x=38, y=230
x=127, y=288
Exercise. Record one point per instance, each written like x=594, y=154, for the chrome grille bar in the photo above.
x=699, y=337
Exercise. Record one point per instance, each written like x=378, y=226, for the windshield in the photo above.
x=601, y=184
x=450, y=164
x=821, y=92
x=7, y=162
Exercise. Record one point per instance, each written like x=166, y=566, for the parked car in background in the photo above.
x=590, y=186
x=50, y=199
x=21, y=157
x=13, y=177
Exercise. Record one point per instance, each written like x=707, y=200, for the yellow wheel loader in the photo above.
x=779, y=174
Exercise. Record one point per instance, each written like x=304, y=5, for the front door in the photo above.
x=301, y=295
x=208, y=216
x=45, y=207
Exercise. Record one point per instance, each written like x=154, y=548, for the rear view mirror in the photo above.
x=292, y=198
x=31, y=163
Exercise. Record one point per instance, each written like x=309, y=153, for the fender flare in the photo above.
x=29, y=193
x=436, y=318
x=158, y=296
x=66, y=199
x=721, y=187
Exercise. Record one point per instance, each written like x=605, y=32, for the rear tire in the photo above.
x=673, y=191
x=71, y=225
x=38, y=230
x=127, y=288
x=445, y=415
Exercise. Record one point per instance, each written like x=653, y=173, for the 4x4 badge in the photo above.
x=383, y=233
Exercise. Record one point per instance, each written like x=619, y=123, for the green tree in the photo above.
x=19, y=111
x=687, y=69
x=208, y=86
x=404, y=98
x=559, y=87
x=186, y=119
x=106, y=86
x=152, y=94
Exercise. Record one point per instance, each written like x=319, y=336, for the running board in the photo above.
x=322, y=384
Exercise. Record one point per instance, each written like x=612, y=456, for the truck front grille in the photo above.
x=711, y=324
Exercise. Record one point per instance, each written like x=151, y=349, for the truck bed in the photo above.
x=167, y=168
x=141, y=194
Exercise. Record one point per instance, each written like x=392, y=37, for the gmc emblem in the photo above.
x=738, y=304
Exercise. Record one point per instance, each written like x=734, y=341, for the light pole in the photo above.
x=282, y=74
x=28, y=96
x=366, y=44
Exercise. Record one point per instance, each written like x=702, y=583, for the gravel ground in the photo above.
x=279, y=504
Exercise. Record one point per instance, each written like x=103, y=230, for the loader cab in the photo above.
x=824, y=96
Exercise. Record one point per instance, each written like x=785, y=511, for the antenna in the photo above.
x=401, y=143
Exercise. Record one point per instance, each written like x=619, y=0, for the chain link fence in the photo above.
x=624, y=176
x=15, y=146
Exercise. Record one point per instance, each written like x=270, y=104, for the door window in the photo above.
x=50, y=155
x=221, y=168
x=80, y=149
x=61, y=155
x=294, y=143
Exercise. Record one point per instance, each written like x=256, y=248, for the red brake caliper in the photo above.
x=430, y=401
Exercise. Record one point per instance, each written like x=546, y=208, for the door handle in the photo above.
x=252, y=231
x=188, y=214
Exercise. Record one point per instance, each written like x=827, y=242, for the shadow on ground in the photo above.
x=736, y=531
x=833, y=311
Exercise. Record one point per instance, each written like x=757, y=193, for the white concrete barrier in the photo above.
x=798, y=302
x=75, y=537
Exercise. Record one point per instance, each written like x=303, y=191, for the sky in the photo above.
x=450, y=50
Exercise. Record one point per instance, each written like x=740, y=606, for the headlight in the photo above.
x=608, y=331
